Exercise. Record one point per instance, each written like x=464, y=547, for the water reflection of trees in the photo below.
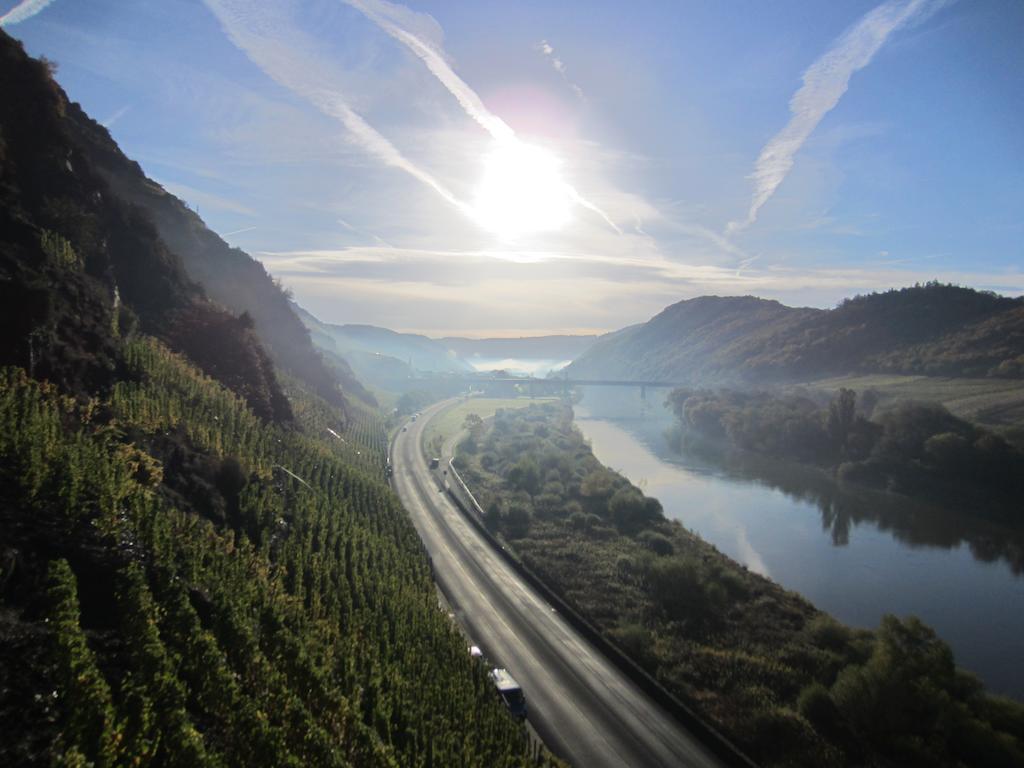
x=910, y=521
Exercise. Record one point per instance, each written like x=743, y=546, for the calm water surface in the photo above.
x=855, y=555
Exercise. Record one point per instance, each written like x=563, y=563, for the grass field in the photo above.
x=450, y=422
x=991, y=402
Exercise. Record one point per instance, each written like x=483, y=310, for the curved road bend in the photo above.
x=582, y=706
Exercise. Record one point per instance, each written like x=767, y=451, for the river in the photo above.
x=857, y=555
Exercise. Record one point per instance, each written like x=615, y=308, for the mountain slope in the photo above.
x=185, y=581
x=703, y=336
x=229, y=275
x=931, y=329
x=78, y=267
x=377, y=370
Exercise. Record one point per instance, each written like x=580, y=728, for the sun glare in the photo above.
x=522, y=191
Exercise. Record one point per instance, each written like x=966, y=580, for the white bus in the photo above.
x=510, y=691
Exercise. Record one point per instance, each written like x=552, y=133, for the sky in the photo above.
x=524, y=167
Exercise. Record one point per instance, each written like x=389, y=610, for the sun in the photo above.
x=521, y=191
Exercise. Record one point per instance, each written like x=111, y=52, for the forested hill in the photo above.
x=195, y=570
x=932, y=329
x=421, y=352
x=229, y=275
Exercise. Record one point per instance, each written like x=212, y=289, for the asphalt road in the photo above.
x=586, y=710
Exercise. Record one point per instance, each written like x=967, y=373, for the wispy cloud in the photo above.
x=23, y=10
x=285, y=56
x=403, y=25
x=548, y=51
x=711, y=278
x=824, y=84
x=556, y=292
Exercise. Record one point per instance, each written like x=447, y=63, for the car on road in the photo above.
x=510, y=691
x=405, y=429
x=435, y=463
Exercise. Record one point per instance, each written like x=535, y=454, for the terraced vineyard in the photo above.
x=202, y=607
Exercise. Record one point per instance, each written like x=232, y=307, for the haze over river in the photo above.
x=856, y=555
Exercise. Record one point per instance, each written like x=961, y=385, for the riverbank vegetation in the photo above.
x=918, y=449
x=787, y=683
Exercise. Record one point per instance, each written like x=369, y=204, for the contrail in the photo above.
x=395, y=20
x=824, y=83
x=109, y=122
x=548, y=51
x=580, y=200
x=23, y=10
x=239, y=231
x=292, y=67
x=331, y=104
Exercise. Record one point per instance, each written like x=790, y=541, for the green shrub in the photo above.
x=816, y=705
x=658, y=543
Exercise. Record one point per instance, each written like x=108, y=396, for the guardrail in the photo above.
x=473, y=503
x=707, y=733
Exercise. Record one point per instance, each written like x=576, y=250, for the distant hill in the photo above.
x=561, y=347
x=377, y=370
x=421, y=352
x=391, y=360
x=381, y=357
x=931, y=330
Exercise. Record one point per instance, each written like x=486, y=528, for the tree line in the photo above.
x=913, y=448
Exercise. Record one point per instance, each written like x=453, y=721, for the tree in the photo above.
x=630, y=510
x=842, y=412
x=598, y=485
x=474, y=425
x=525, y=475
x=517, y=520
x=676, y=586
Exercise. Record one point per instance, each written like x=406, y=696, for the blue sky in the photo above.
x=530, y=167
